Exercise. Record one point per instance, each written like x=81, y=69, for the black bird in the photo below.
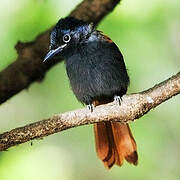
x=97, y=75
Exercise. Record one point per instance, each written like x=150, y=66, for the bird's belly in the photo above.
x=91, y=82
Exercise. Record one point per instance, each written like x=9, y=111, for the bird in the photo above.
x=98, y=75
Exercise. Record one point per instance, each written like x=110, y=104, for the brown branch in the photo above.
x=133, y=107
x=28, y=66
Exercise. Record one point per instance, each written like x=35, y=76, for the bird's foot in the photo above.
x=90, y=107
x=117, y=99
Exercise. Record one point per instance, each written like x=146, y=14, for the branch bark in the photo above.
x=133, y=107
x=28, y=66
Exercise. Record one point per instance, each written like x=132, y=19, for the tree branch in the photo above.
x=133, y=107
x=28, y=66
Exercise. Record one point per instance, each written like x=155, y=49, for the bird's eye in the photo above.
x=66, y=38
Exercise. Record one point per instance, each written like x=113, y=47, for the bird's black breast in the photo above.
x=97, y=72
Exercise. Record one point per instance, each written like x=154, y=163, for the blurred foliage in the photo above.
x=147, y=33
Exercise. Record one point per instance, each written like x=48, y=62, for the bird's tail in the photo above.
x=114, y=143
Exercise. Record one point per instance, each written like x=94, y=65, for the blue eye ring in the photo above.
x=66, y=38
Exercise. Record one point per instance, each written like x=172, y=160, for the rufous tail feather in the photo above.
x=114, y=143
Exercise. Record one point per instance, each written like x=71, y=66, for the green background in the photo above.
x=148, y=34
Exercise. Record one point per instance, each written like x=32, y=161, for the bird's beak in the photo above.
x=53, y=52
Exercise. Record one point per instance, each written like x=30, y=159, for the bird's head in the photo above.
x=67, y=35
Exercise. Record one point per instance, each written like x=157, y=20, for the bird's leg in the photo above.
x=91, y=107
x=117, y=99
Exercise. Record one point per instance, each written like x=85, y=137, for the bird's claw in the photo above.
x=90, y=107
x=118, y=99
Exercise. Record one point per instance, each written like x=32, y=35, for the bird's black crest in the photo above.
x=70, y=23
